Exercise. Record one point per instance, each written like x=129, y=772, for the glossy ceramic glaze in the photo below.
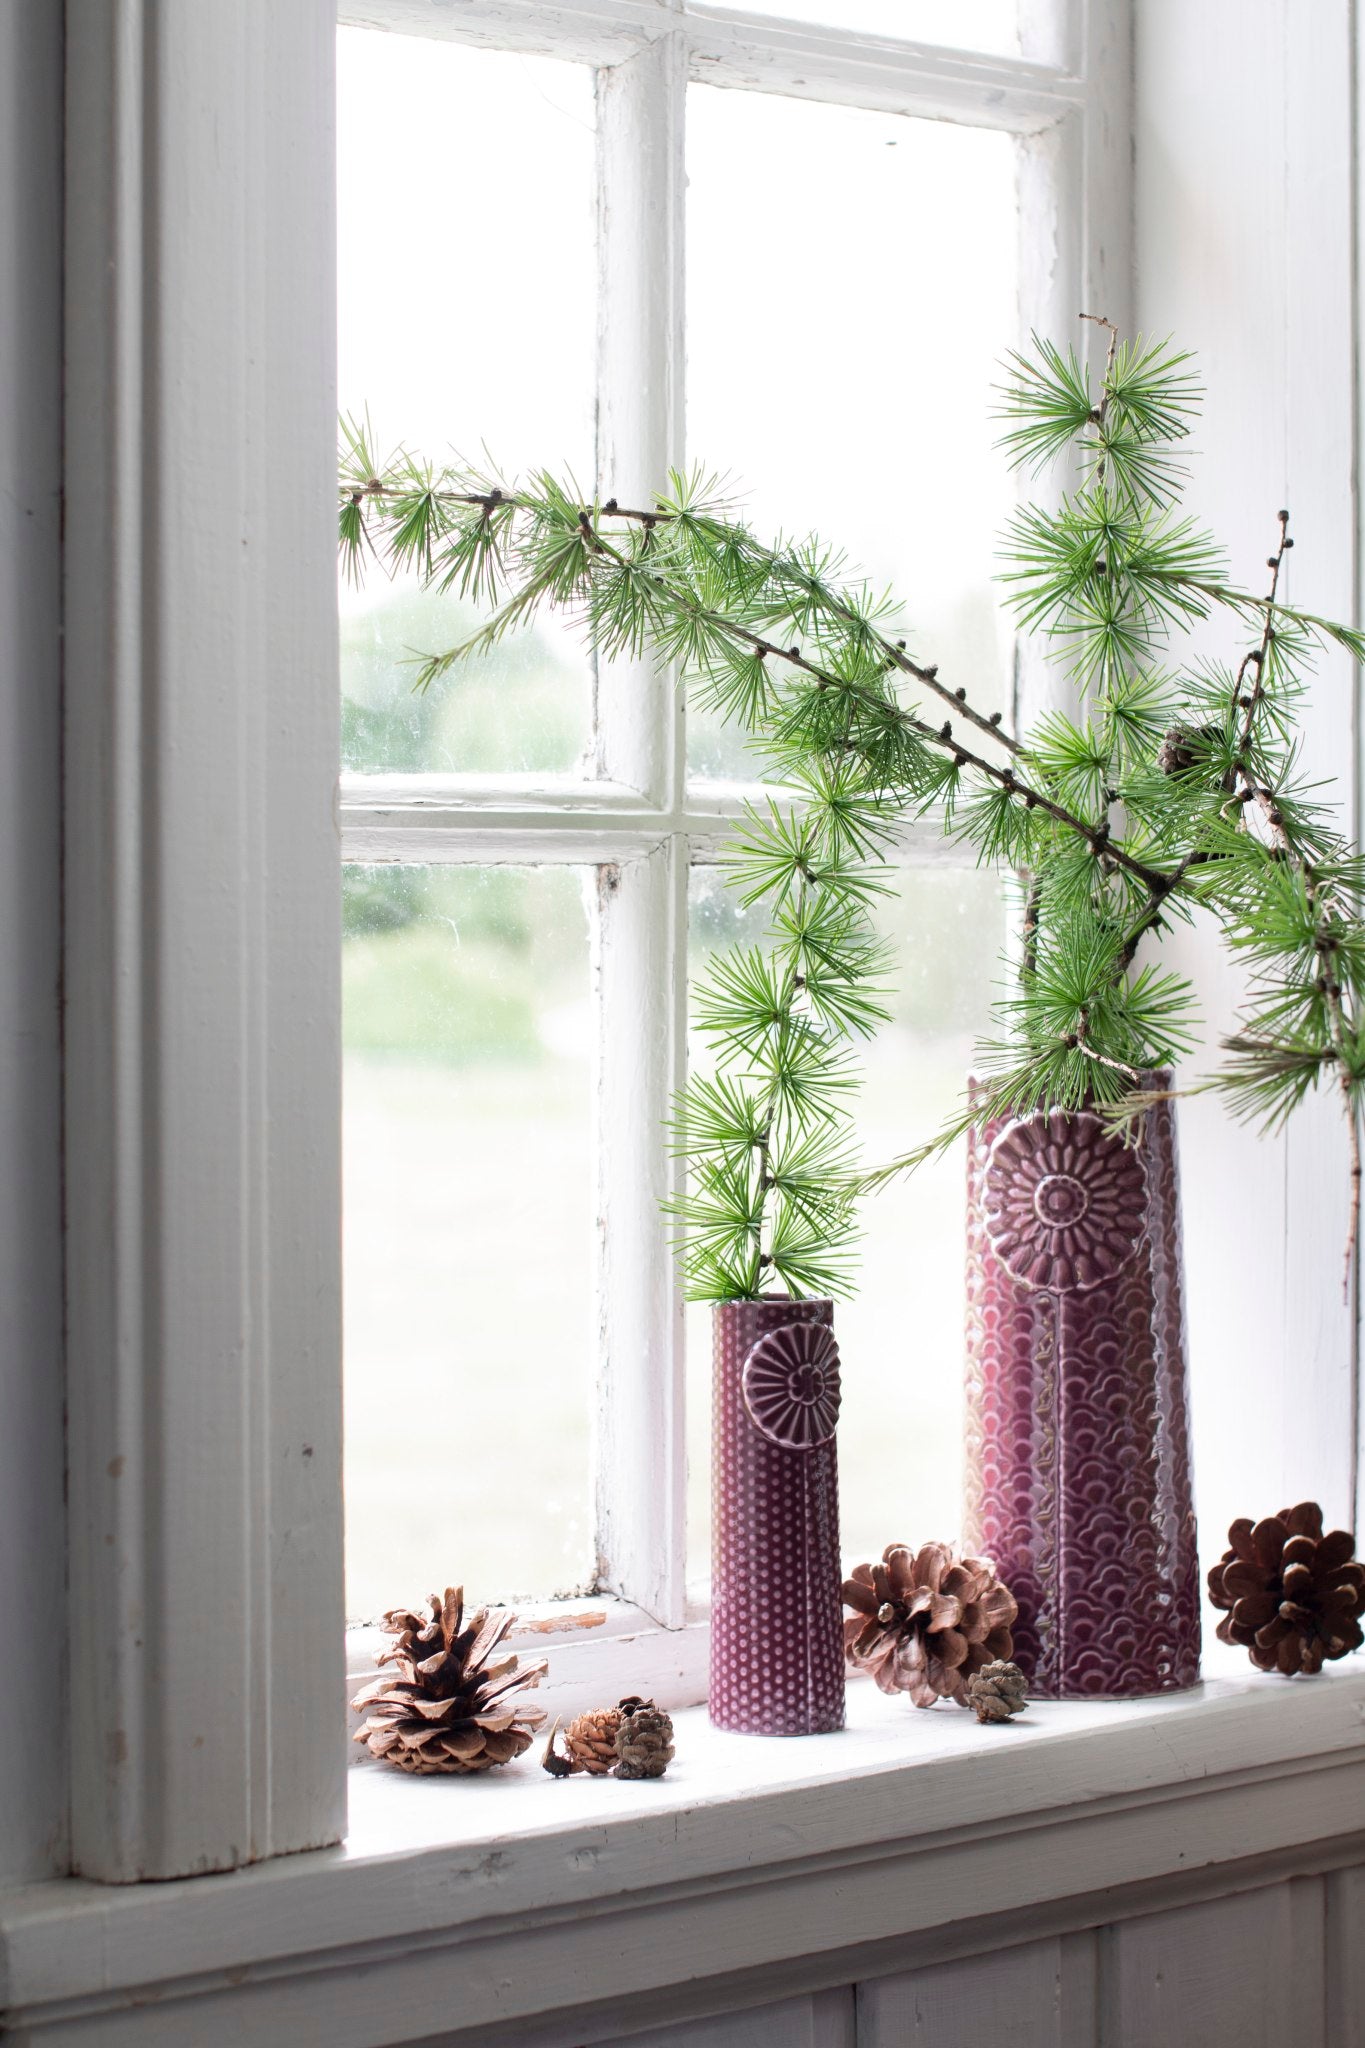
x=1078, y=1465
x=777, y=1665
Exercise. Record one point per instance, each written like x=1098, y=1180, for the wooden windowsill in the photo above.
x=474, y=1902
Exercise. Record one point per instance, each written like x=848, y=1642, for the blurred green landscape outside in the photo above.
x=524, y=708
x=469, y=1206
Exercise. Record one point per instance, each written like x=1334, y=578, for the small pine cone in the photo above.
x=925, y=1621
x=590, y=1741
x=552, y=1760
x=644, y=1740
x=1293, y=1596
x=996, y=1691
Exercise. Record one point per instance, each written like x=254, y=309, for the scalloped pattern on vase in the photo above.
x=777, y=1651
x=1078, y=1468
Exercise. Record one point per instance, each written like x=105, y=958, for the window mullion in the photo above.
x=641, y=939
x=639, y=357
x=639, y=1464
x=1075, y=239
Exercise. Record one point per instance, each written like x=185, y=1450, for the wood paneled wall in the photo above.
x=1279, y=1967
x=32, y=1526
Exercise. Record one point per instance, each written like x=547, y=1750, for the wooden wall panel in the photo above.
x=32, y=1537
x=824, y=2020
x=1243, y=1972
x=1345, y=1956
x=1278, y=1967
x=1041, y=1995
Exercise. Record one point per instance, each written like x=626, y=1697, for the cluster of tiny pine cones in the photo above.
x=633, y=1739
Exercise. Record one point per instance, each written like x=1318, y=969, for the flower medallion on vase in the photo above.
x=790, y=1386
x=1065, y=1202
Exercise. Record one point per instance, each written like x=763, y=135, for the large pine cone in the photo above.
x=446, y=1707
x=926, y=1621
x=1293, y=1596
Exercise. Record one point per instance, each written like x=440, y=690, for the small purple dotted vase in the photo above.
x=1078, y=1463
x=777, y=1652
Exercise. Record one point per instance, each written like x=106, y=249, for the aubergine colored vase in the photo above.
x=1078, y=1463
x=777, y=1655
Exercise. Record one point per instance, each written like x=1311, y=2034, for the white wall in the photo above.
x=1244, y=250
x=32, y=1550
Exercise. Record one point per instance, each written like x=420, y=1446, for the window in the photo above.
x=530, y=848
x=199, y=861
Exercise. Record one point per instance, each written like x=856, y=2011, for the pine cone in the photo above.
x=590, y=1741
x=644, y=1740
x=446, y=1708
x=1185, y=747
x=996, y=1691
x=1294, y=1596
x=926, y=1621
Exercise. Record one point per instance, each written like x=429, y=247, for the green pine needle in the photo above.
x=1177, y=788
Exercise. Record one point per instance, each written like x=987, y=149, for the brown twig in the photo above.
x=1257, y=658
x=1325, y=945
x=1324, y=940
x=1077, y=1041
x=941, y=737
x=1033, y=905
x=1101, y=412
x=892, y=651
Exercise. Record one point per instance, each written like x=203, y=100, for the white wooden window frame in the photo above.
x=202, y=842
x=641, y=821
x=202, y=955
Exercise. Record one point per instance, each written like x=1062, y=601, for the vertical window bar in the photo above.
x=641, y=925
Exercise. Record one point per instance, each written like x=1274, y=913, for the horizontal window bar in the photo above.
x=501, y=819
x=728, y=47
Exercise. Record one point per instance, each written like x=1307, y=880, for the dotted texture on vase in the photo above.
x=1078, y=1467
x=777, y=1656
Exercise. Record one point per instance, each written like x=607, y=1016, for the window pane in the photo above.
x=989, y=25
x=468, y=1231
x=845, y=379
x=466, y=322
x=900, y=1337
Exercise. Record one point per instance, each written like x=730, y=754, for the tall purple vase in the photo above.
x=1078, y=1464
x=777, y=1660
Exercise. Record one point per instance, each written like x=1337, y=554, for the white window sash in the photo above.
x=201, y=850
x=644, y=823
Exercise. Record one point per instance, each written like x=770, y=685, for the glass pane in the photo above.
x=989, y=25
x=466, y=322
x=846, y=382
x=900, y=1337
x=468, y=1232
